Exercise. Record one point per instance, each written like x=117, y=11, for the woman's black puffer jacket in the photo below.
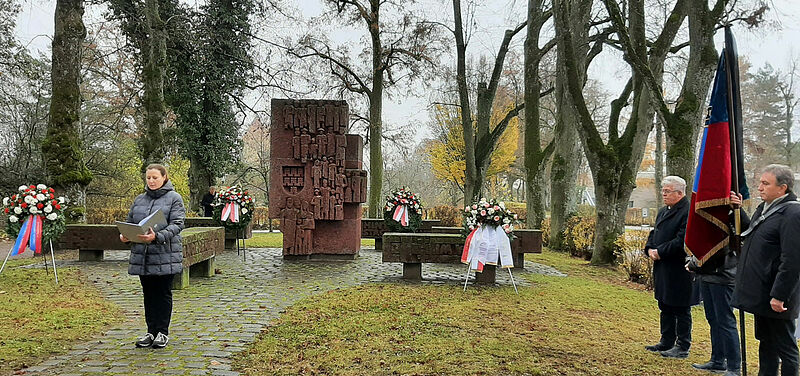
x=164, y=255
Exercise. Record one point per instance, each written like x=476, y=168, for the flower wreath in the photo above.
x=234, y=208
x=489, y=213
x=36, y=215
x=402, y=212
x=489, y=226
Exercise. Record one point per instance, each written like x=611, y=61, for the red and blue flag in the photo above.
x=720, y=166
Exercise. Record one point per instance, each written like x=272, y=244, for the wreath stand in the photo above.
x=466, y=279
x=44, y=257
x=243, y=247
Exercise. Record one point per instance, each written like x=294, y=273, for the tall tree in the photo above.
x=615, y=160
x=767, y=137
x=143, y=24
x=535, y=155
x=447, y=150
x=24, y=105
x=482, y=135
x=790, y=101
x=62, y=149
x=210, y=69
x=682, y=126
x=564, y=169
x=403, y=42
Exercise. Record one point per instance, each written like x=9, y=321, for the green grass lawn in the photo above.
x=38, y=318
x=275, y=240
x=590, y=323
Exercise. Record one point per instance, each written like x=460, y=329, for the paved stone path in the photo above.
x=217, y=317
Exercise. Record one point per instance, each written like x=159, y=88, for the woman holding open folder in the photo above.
x=157, y=256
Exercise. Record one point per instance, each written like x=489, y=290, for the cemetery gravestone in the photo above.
x=317, y=183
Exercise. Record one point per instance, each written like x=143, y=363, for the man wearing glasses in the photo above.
x=674, y=286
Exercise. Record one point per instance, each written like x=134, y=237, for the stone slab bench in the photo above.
x=374, y=228
x=200, y=247
x=230, y=235
x=413, y=249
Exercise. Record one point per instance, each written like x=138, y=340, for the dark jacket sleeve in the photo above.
x=177, y=214
x=673, y=248
x=649, y=243
x=786, y=280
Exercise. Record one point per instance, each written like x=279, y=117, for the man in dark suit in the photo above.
x=674, y=286
x=768, y=274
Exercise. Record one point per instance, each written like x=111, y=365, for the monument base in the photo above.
x=321, y=257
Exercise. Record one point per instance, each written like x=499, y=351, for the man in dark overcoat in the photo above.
x=208, y=200
x=675, y=289
x=768, y=274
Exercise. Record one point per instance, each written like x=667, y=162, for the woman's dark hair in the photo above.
x=160, y=168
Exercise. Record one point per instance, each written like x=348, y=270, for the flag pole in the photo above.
x=733, y=126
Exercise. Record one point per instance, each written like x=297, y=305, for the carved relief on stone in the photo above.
x=312, y=149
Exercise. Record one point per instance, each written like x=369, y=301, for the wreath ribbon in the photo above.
x=230, y=212
x=484, y=246
x=30, y=235
x=401, y=215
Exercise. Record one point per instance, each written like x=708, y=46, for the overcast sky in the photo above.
x=773, y=44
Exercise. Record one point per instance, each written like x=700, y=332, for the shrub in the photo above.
x=632, y=259
x=95, y=215
x=545, y=227
x=449, y=215
x=579, y=236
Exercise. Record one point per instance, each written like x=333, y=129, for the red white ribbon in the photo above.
x=484, y=246
x=401, y=215
x=230, y=212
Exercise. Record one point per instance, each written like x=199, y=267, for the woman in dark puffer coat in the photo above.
x=159, y=257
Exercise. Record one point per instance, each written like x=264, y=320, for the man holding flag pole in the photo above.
x=715, y=220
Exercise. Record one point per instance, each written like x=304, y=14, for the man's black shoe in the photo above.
x=675, y=352
x=657, y=347
x=710, y=367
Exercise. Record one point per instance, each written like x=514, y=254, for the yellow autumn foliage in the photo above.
x=447, y=153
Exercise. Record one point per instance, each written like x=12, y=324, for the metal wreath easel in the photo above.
x=243, y=247
x=44, y=257
x=466, y=278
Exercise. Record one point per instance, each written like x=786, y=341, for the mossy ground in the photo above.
x=592, y=322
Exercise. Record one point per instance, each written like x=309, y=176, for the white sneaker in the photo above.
x=160, y=341
x=145, y=341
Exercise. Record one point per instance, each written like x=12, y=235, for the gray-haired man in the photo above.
x=673, y=284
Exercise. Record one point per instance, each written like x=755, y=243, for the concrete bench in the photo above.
x=230, y=235
x=413, y=249
x=374, y=228
x=200, y=247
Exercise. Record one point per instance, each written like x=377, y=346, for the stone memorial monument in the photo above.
x=317, y=183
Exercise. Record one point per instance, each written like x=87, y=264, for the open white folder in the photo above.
x=156, y=221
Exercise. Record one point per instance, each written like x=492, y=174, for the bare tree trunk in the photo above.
x=151, y=143
x=659, y=168
x=615, y=161
x=564, y=169
x=470, y=173
x=375, y=112
x=62, y=149
x=611, y=208
x=535, y=156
